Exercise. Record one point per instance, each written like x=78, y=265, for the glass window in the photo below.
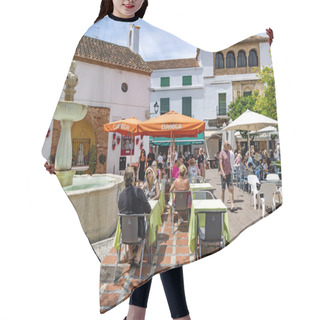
x=165, y=82
x=231, y=63
x=247, y=93
x=187, y=106
x=242, y=59
x=164, y=105
x=187, y=80
x=253, y=58
x=219, y=61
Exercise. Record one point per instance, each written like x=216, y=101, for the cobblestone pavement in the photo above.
x=172, y=249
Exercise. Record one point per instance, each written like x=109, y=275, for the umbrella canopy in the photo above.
x=251, y=121
x=124, y=126
x=172, y=124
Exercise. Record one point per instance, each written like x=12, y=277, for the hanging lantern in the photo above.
x=114, y=135
x=118, y=139
x=141, y=136
x=141, y=145
x=137, y=141
x=113, y=144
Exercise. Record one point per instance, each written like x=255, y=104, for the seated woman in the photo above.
x=192, y=170
x=132, y=200
x=182, y=184
x=151, y=186
x=157, y=171
x=265, y=168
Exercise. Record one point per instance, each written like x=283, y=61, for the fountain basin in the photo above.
x=69, y=110
x=95, y=199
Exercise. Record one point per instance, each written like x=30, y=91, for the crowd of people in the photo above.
x=195, y=164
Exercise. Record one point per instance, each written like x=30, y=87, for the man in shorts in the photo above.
x=225, y=167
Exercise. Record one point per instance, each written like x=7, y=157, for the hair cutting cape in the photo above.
x=130, y=82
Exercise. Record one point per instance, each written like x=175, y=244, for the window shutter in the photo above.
x=222, y=103
x=165, y=82
x=164, y=105
x=187, y=106
x=187, y=80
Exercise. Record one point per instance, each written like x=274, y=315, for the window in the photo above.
x=187, y=80
x=242, y=60
x=222, y=104
x=231, y=63
x=253, y=58
x=187, y=106
x=247, y=93
x=219, y=61
x=165, y=82
x=164, y=105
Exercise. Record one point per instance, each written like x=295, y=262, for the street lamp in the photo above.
x=155, y=108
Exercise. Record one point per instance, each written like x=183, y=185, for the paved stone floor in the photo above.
x=172, y=248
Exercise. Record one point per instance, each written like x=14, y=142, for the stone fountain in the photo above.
x=67, y=112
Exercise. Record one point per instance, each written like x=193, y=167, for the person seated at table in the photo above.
x=182, y=184
x=157, y=170
x=192, y=170
x=250, y=168
x=175, y=170
x=151, y=186
x=132, y=200
x=265, y=168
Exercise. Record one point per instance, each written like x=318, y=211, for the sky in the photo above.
x=48, y=269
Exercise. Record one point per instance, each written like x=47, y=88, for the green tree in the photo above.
x=240, y=105
x=266, y=102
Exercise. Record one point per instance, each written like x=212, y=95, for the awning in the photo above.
x=161, y=141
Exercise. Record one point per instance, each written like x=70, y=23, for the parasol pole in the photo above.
x=132, y=145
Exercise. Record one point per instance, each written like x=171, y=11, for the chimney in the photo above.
x=133, y=39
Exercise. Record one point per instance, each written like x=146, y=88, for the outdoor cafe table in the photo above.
x=201, y=186
x=157, y=207
x=206, y=205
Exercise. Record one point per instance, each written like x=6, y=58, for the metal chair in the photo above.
x=244, y=179
x=129, y=234
x=252, y=181
x=213, y=229
x=179, y=204
x=202, y=194
x=268, y=190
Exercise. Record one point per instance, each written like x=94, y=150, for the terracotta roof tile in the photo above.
x=254, y=39
x=173, y=64
x=102, y=52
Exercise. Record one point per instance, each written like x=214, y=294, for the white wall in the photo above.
x=101, y=87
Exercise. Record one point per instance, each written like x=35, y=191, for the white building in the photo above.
x=204, y=87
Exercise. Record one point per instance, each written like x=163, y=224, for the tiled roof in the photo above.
x=173, y=64
x=108, y=54
x=254, y=39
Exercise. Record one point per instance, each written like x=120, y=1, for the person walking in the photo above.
x=225, y=171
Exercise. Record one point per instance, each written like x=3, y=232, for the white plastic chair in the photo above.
x=269, y=191
x=272, y=176
x=252, y=181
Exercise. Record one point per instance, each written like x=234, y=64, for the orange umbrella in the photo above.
x=171, y=124
x=124, y=126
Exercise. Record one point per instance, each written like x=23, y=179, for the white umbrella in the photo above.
x=251, y=121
